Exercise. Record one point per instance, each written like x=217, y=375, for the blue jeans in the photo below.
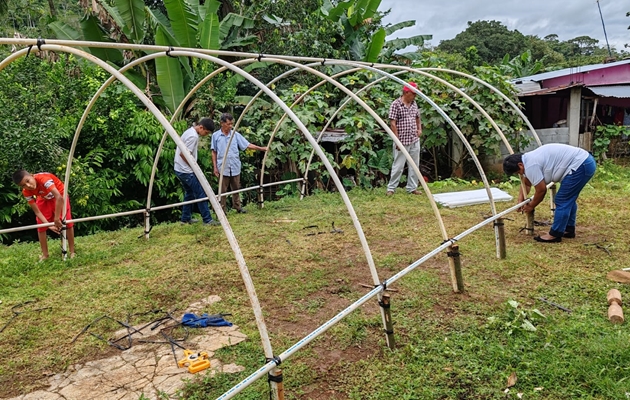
x=192, y=191
x=570, y=188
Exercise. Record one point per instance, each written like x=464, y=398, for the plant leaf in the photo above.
x=183, y=21
x=512, y=380
x=169, y=75
x=376, y=45
x=133, y=16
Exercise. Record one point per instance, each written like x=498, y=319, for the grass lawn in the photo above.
x=449, y=346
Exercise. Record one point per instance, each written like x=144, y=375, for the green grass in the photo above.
x=449, y=346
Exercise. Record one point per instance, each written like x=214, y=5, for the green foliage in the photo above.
x=604, y=134
x=516, y=320
x=523, y=65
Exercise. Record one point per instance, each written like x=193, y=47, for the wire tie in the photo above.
x=498, y=223
x=168, y=52
x=260, y=56
x=29, y=51
x=274, y=378
x=383, y=305
x=323, y=62
x=40, y=42
x=275, y=359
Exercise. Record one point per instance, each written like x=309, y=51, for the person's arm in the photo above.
x=394, y=128
x=40, y=216
x=254, y=147
x=58, y=208
x=540, y=190
x=419, y=125
x=214, y=162
x=190, y=143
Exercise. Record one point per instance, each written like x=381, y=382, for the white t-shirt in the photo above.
x=191, y=139
x=552, y=162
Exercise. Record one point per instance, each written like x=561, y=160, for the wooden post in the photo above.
x=277, y=387
x=529, y=227
x=261, y=197
x=552, y=198
x=455, y=265
x=389, y=326
x=615, y=313
x=147, y=224
x=64, y=241
x=614, y=296
x=500, y=225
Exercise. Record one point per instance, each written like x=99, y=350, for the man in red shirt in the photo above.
x=44, y=193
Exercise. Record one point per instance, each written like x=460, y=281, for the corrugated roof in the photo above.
x=619, y=91
x=552, y=90
x=568, y=71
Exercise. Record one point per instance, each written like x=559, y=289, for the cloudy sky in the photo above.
x=444, y=19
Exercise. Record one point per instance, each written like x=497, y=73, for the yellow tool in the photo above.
x=196, y=361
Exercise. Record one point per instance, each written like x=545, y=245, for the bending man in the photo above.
x=570, y=166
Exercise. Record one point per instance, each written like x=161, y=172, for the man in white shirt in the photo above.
x=570, y=166
x=192, y=187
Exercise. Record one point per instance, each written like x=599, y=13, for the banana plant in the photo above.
x=187, y=24
x=357, y=18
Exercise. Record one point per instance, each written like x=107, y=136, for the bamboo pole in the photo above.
x=385, y=304
x=500, y=226
x=455, y=265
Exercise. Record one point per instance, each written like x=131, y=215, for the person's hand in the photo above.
x=216, y=172
x=527, y=208
x=54, y=229
x=264, y=148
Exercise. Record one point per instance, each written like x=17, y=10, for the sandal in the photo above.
x=554, y=240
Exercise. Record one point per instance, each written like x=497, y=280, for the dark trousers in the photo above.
x=233, y=183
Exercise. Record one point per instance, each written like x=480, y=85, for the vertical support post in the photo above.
x=261, y=197
x=147, y=223
x=529, y=227
x=500, y=227
x=64, y=241
x=552, y=198
x=277, y=387
x=455, y=265
x=385, y=303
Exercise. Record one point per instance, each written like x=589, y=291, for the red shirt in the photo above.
x=46, y=182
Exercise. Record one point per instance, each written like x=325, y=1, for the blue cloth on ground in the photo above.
x=196, y=321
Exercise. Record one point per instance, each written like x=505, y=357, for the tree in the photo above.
x=491, y=39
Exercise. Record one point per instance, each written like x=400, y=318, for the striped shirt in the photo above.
x=405, y=117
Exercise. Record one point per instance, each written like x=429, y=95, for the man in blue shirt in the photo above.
x=232, y=169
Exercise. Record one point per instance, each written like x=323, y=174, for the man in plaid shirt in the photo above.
x=404, y=119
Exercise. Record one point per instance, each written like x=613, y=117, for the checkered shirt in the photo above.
x=405, y=118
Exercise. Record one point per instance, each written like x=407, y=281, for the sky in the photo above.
x=567, y=18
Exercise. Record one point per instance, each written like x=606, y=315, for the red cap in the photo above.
x=406, y=88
